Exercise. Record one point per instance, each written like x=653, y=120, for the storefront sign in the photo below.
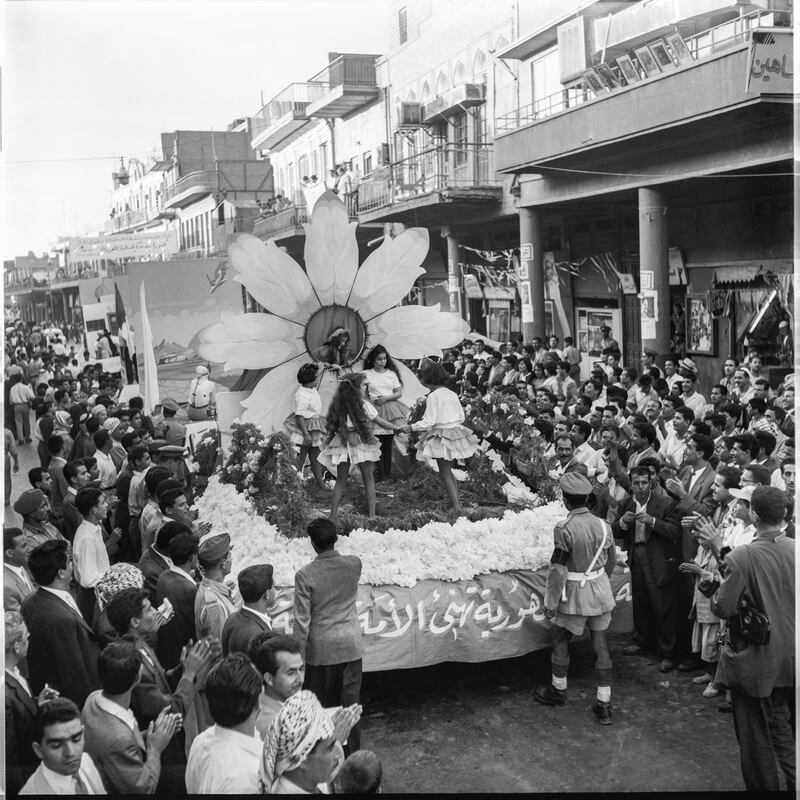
x=498, y=293
x=123, y=245
x=525, y=301
x=770, y=63
x=494, y=616
x=647, y=279
x=472, y=287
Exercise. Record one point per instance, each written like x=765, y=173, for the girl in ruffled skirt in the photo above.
x=306, y=425
x=351, y=441
x=443, y=437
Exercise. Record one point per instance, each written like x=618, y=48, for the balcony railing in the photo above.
x=129, y=219
x=199, y=180
x=280, y=222
x=348, y=69
x=292, y=100
x=702, y=45
x=446, y=166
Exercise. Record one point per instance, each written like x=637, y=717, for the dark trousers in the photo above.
x=135, y=538
x=44, y=455
x=653, y=607
x=684, y=595
x=86, y=600
x=385, y=464
x=337, y=685
x=766, y=739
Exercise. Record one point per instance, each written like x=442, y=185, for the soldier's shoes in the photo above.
x=550, y=696
x=602, y=712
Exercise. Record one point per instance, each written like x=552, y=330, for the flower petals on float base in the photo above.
x=331, y=250
x=251, y=341
x=272, y=277
x=389, y=272
x=417, y=331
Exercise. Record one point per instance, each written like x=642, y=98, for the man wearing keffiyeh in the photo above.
x=299, y=753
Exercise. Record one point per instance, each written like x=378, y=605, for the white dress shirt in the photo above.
x=89, y=554
x=22, y=573
x=674, y=447
x=45, y=781
x=116, y=710
x=224, y=761
x=107, y=472
x=184, y=574
x=66, y=597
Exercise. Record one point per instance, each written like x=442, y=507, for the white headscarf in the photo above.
x=296, y=729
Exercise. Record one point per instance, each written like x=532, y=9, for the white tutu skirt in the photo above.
x=354, y=450
x=451, y=444
x=314, y=425
x=392, y=411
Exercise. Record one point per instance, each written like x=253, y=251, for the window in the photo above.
x=402, y=25
x=546, y=80
x=460, y=136
x=302, y=167
x=367, y=168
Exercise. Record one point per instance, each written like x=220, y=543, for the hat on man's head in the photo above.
x=214, y=546
x=111, y=424
x=783, y=324
x=96, y=410
x=169, y=404
x=116, y=578
x=745, y=493
x=85, y=417
x=201, y=370
x=29, y=501
x=171, y=450
x=154, y=444
x=688, y=365
x=575, y=483
x=650, y=351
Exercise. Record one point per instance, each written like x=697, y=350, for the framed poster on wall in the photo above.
x=701, y=330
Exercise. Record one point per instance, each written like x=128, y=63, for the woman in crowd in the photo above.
x=385, y=388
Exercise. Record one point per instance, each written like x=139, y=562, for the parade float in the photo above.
x=434, y=587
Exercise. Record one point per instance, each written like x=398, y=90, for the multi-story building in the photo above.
x=656, y=140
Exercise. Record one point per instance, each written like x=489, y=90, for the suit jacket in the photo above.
x=72, y=517
x=39, y=784
x=152, y=565
x=62, y=648
x=21, y=761
x=325, y=619
x=699, y=500
x=662, y=540
x=59, y=489
x=14, y=590
x=180, y=629
x=118, y=752
x=239, y=628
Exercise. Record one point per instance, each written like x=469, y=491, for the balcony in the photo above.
x=285, y=115
x=126, y=221
x=189, y=188
x=447, y=179
x=282, y=224
x=349, y=82
x=466, y=95
x=674, y=109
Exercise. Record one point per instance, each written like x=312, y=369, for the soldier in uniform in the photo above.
x=578, y=593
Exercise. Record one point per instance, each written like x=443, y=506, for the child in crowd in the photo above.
x=443, y=438
x=305, y=424
x=350, y=440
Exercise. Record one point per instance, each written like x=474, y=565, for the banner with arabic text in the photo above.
x=492, y=616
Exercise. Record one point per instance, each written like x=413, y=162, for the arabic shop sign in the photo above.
x=770, y=64
x=493, y=616
x=142, y=246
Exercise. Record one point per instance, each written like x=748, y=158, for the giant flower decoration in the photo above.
x=305, y=307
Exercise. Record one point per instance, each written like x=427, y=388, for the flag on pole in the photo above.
x=150, y=393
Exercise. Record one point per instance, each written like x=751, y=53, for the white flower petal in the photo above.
x=272, y=399
x=272, y=277
x=388, y=273
x=417, y=331
x=251, y=341
x=412, y=388
x=331, y=251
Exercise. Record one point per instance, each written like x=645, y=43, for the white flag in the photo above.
x=150, y=370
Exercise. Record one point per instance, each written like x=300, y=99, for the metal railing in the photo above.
x=446, y=166
x=201, y=178
x=702, y=45
x=127, y=219
x=349, y=70
x=285, y=221
x=294, y=98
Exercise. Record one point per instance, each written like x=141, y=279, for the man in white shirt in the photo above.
x=106, y=469
x=671, y=373
x=585, y=454
x=201, y=394
x=17, y=582
x=691, y=397
x=674, y=445
x=21, y=396
x=89, y=551
x=59, y=742
x=225, y=758
x=744, y=391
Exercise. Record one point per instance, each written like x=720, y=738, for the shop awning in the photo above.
x=748, y=274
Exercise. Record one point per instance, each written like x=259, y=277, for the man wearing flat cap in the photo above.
x=173, y=431
x=201, y=395
x=578, y=593
x=214, y=602
x=34, y=509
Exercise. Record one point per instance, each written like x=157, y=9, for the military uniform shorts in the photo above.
x=575, y=623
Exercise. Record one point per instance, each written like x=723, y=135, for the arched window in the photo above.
x=441, y=84
x=412, y=96
x=426, y=93
x=479, y=67
x=459, y=75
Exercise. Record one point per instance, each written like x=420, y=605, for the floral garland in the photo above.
x=436, y=551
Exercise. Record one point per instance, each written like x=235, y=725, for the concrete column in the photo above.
x=65, y=305
x=530, y=241
x=453, y=271
x=654, y=258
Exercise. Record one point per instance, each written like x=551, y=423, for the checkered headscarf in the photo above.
x=116, y=578
x=298, y=726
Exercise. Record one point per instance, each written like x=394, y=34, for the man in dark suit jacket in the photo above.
x=62, y=648
x=155, y=559
x=326, y=622
x=649, y=524
x=17, y=581
x=255, y=587
x=21, y=708
x=178, y=586
x=694, y=491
